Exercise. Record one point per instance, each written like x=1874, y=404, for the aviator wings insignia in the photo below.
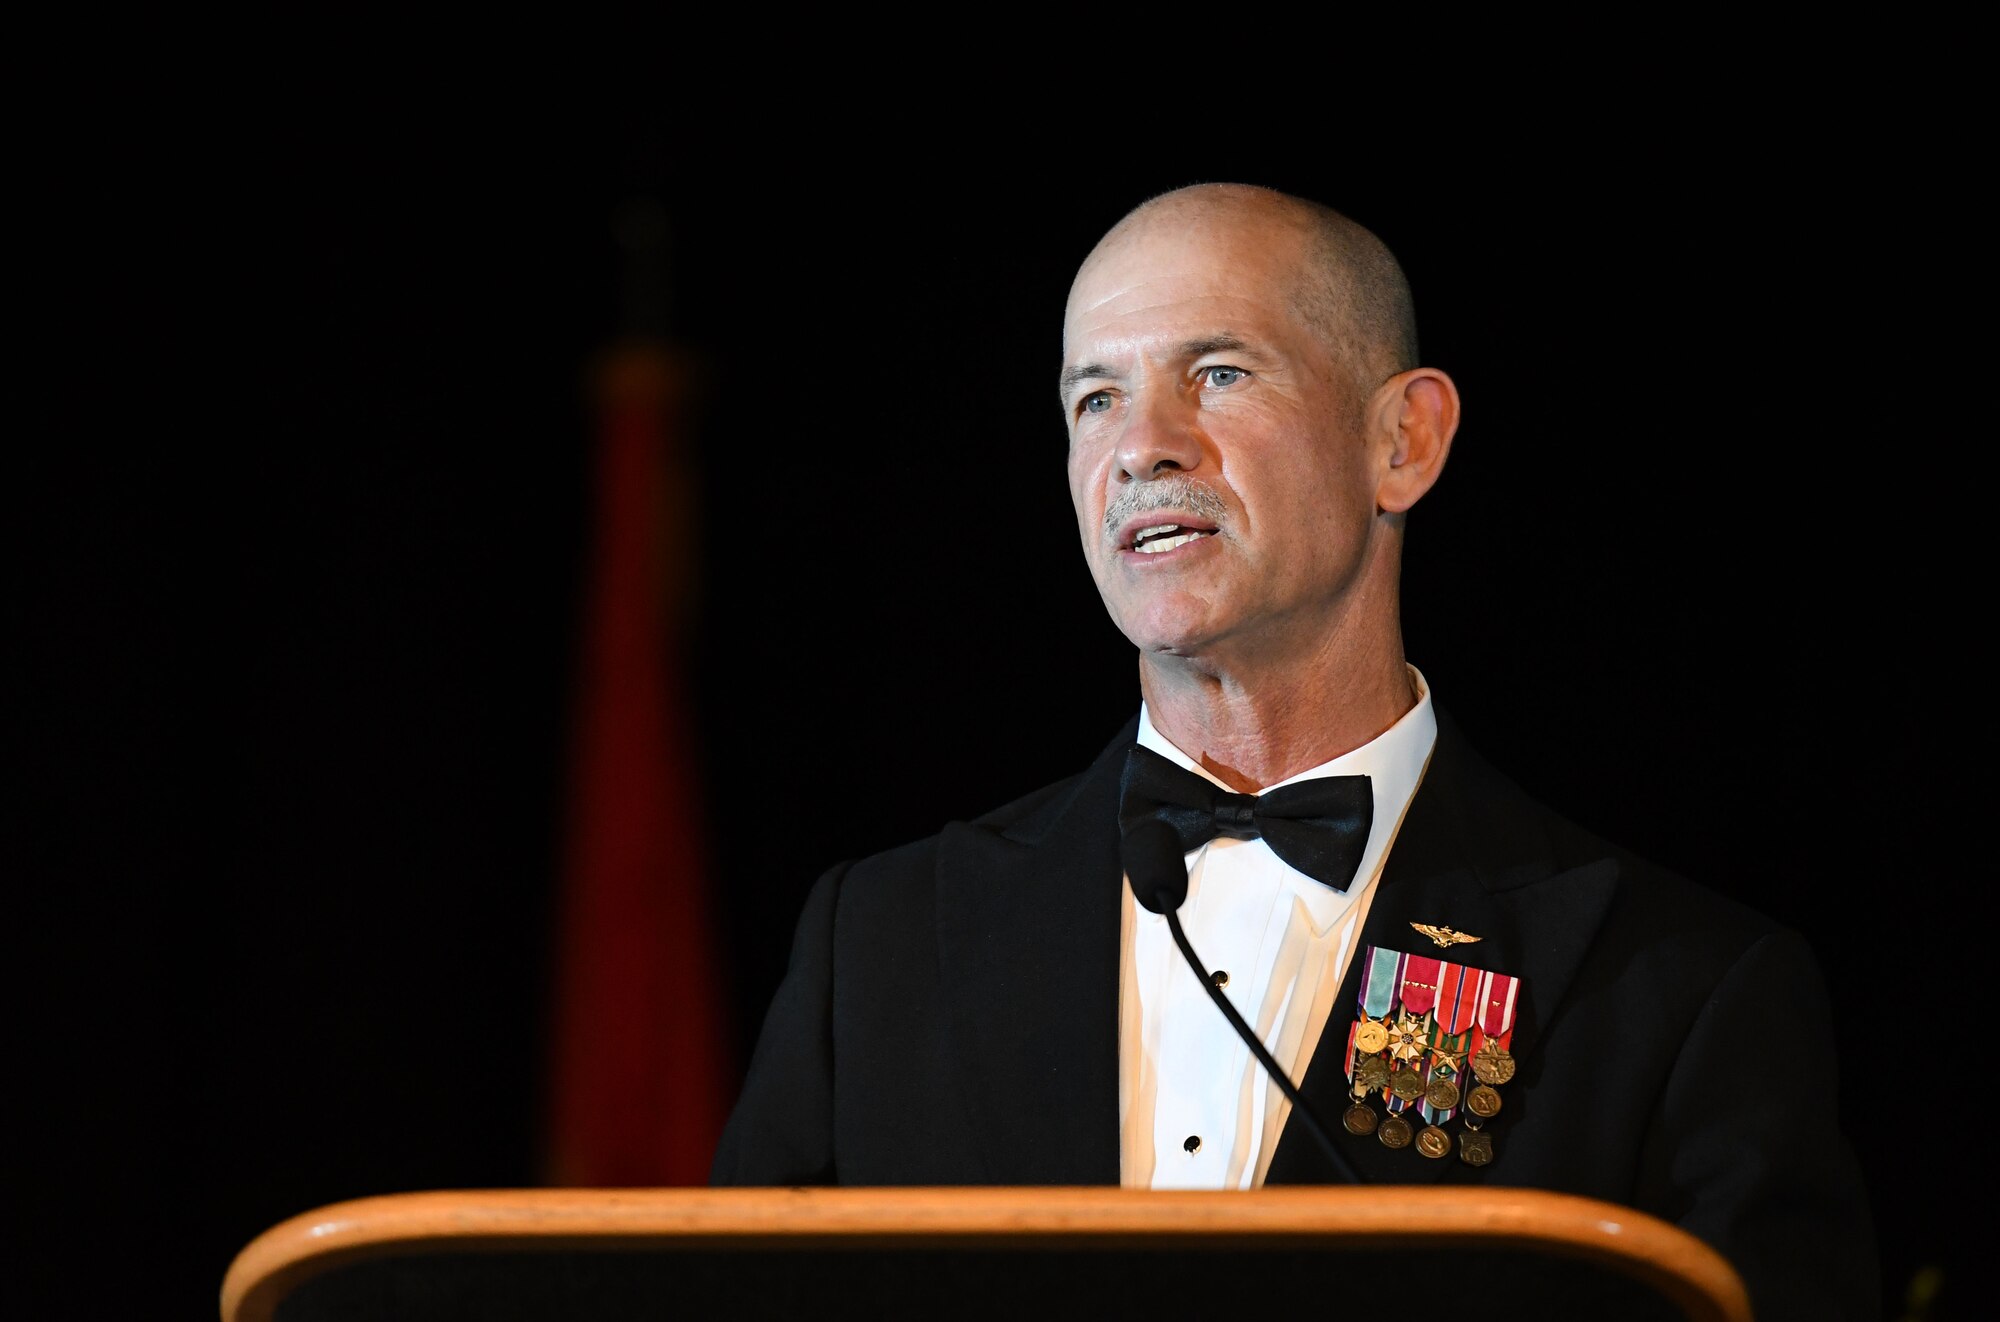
x=1444, y=936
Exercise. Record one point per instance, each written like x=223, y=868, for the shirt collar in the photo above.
x=1393, y=761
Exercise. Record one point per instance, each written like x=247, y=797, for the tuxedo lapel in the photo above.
x=1471, y=855
x=1028, y=944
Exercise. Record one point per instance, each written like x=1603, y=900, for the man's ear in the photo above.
x=1417, y=411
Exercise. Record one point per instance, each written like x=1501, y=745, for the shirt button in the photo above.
x=1193, y=1144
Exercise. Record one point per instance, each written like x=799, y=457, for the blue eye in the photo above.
x=1096, y=402
x=1224, y=377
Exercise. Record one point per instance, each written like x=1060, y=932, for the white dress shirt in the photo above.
x=1196, y=1110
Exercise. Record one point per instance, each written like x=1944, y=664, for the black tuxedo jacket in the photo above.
x=950, y=1017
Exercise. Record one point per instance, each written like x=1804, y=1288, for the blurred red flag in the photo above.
x=641, y=1075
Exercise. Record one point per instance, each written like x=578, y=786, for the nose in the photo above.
x=1160, y=437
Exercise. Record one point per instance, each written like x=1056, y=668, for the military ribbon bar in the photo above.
x=1491, y=1060
x=1456, y=1009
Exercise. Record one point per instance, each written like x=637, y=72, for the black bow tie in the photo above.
x=1318, y=826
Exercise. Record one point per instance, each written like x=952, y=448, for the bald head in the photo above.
x=1349, y=287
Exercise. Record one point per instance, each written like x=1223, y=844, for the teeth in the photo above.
x=1168, y=543
x=1153, y=531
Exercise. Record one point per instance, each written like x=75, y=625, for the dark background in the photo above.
x=306, y=454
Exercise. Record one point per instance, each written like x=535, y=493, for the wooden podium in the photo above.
x=593, y=1255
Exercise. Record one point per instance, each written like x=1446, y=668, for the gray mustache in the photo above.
x=1181, y=494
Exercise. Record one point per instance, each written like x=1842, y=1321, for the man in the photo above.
x=1462, y=987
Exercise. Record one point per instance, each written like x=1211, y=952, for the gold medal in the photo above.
x=1360, y=1119
x=1475, y=1148
x=1406, y=1084
x=1492, y=1064
x=1433, y=1142
x=1483, y=1101
x=1394, y=1133
x=1442, y=1094
x=1370, y=1037
x=1374, y=1073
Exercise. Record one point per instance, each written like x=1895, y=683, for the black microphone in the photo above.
x=1151, y=852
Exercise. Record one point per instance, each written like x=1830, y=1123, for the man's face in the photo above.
x=1189, y=381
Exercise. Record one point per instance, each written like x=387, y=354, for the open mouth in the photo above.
x=1162, y=537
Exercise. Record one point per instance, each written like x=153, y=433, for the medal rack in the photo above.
x=1429, y=1043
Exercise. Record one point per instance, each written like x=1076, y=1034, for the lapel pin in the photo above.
x=1444, y=936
